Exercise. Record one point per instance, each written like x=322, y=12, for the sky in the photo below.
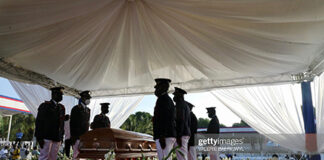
x=200, y=100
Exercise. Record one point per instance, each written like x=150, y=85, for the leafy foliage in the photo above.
x=24, y=122
x=241, y=124
x=204, y=122
x=222, y=125
x=139, y=122
x=172, y=152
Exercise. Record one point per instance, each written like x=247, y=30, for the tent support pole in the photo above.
x=9, y=128
x=309, y=120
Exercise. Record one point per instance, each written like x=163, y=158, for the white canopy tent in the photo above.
x=118, y=47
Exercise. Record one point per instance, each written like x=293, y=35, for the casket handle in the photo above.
x=150, y=147
x=143, y=149
x=129, y=146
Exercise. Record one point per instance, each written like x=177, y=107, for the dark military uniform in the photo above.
x=50, y=121
x=193, y=128
x=79, y=122
x=182, y=123
x=100, y=121
x=164, y=118
x=183, y=119
x=213, y=126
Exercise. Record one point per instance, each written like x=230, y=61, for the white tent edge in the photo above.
x=13, y=72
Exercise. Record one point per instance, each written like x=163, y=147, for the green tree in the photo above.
x=203, y=122
x=241, y=124
x=222, y=125
x=24, y=122
x=139, y=122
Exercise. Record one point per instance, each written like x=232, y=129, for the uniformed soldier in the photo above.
x=164, y=131
x=101, y=120
x=213, y=128
x=182, y=123
x=192, y=154
x=49, y=129
x=67, y=135
x=79, y=121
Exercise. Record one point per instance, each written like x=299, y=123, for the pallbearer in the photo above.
x=192, y=154
x=182, y=123
x=79, y=122
x=213, y=128
x=101, y=120
x=50, y=125
x=67, y=142
x=164, y=131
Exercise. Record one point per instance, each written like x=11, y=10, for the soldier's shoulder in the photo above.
x=214, y=120
x=104, y=116
x=193, y=115
x=186, y=105
x=163, y=97
x=44, y=105
x=61, y=105
x=97, y=117
x=168, y=97
x=75, y=107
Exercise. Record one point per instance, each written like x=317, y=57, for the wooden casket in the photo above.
x=125, y=144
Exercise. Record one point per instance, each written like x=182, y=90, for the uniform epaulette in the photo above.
x=47, y=102
x=43, y=105
x=61, y=104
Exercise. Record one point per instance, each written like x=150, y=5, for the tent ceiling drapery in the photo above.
x=119, y=110
x=273, y=111
x=117, y=47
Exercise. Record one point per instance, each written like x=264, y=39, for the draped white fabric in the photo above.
x=34, y=95
x=115, y=47
x=120, y=108
x=318, y=102
x=274, y=111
